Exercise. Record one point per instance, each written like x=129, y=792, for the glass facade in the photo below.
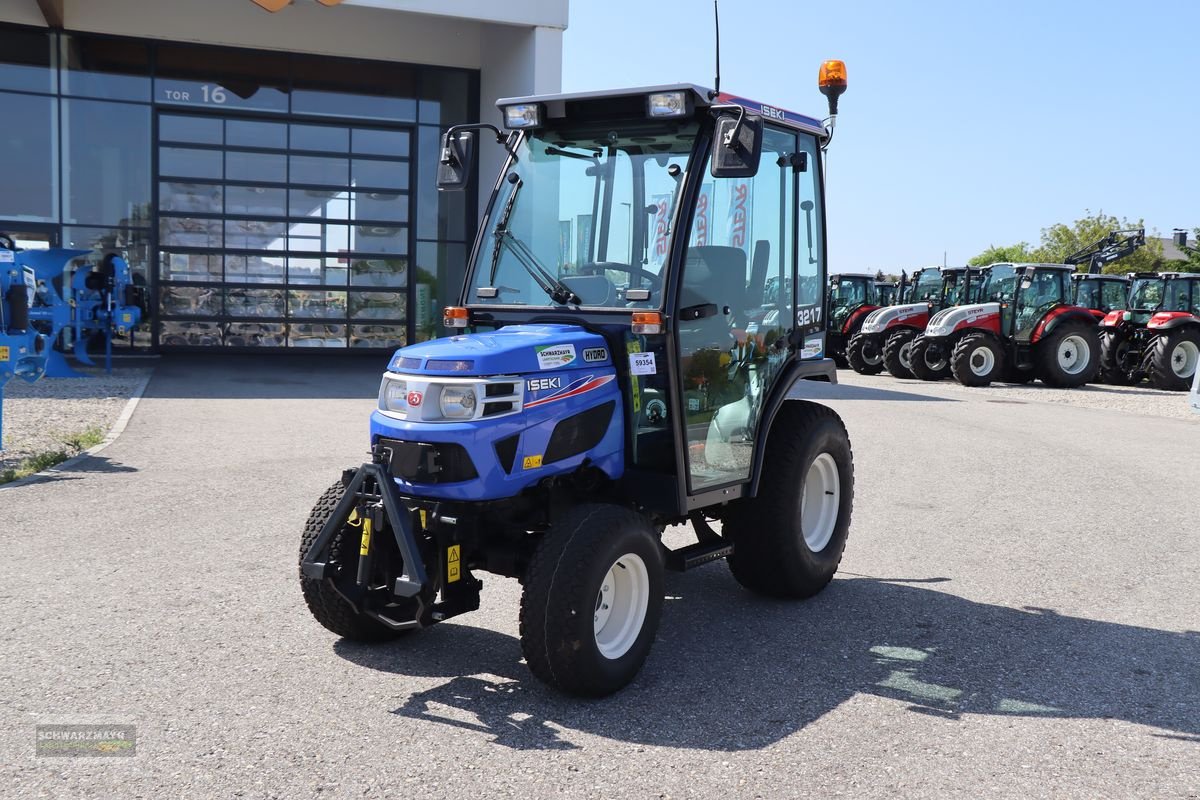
x=269, y=199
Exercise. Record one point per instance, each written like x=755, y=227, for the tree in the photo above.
x=1013, y=253
x=1060, y=241
x=1193, y=258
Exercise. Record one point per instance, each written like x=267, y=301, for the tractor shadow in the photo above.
x=820, y=391
x=730, y=671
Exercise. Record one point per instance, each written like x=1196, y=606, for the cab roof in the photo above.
x=556, y=103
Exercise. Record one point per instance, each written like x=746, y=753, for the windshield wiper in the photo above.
x=559, y=292
x=556, y=289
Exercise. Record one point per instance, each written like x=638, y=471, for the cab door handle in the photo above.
x=698, y=311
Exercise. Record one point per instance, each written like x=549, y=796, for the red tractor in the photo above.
x=1158, y=337
x=1022, y=328
x=886, y=337
x=851, y=298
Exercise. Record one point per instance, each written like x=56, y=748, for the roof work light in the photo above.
x=523, y=115
x=667, y=104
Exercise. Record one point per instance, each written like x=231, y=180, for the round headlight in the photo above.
x=394, y=396
x=457, y=402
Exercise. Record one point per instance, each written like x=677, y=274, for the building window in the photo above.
x=30, y=157
x=106, y=163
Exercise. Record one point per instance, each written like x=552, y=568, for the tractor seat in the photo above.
x=592, y=290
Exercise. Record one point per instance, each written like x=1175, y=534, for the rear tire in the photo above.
x=1174, y=356
x=1069, y=356
x=327, y=606
x=977, y=360
x=929, y=361
x=788, y=541
x=1114, y=354
x=593, y=595
x=864, y=355
x=897, y=353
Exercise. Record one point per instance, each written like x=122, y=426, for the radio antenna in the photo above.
x=716, y=90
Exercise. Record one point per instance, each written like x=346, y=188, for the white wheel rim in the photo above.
x=1074, y=354
x=621, y=605
x=820, y=502
x=982, y=361
x=871, y=355
x=906, y=355
x=1184, y=359
x=935, y=363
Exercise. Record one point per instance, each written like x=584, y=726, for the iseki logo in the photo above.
x=414, y=399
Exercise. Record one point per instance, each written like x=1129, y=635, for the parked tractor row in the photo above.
x=1021, y=322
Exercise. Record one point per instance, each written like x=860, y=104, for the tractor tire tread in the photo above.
x=327, y=606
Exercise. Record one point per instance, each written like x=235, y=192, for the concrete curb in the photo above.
x=117, y=429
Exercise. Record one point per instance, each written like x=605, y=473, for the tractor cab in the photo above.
x=1100, y=293
x=642, y=308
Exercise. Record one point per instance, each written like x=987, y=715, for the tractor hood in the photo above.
x=950, y=319
x=914, y=314
x=515, y=349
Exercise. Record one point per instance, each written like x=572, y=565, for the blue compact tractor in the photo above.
x=636, y=337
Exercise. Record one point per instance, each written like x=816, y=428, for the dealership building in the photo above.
x=270, y=175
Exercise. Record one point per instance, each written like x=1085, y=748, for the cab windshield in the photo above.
x=928, y=286
x=1147, y=294
x=583, y=219
x=848, y=292
x=1000, y=284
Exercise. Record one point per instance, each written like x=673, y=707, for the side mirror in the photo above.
x=737, y=146
x=454, y=167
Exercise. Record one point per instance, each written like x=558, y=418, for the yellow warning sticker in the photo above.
x=3, y=354
x=365, y=545
x=453, y=564
x=634, y=346
x=424, y=519
x=532, y=462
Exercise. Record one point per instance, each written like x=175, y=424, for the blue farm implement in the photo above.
x=23, y=351
x=78, y=305
x=634, y=347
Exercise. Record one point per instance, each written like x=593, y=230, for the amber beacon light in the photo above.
x=832, y=81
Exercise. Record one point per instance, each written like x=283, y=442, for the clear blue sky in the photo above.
x=967, y=123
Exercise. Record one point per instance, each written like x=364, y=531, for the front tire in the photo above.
x=593, y=595
x=789, y=539
x=897, y=353
x=327, y=606
x=864, y=355
x=977, y=360
x=1069, y=356
x=1174, y=356
x=929, y=361
x=1114, y=359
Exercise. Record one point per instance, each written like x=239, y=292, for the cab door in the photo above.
x=736, y=304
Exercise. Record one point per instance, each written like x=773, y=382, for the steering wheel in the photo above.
x=598, y=268
x=7, y=242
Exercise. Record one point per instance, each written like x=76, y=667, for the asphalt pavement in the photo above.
x=1017, y=615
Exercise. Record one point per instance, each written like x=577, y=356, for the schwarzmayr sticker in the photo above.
x=554, y=356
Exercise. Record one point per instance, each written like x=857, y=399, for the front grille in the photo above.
x=426, y=462
x=579, y=433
